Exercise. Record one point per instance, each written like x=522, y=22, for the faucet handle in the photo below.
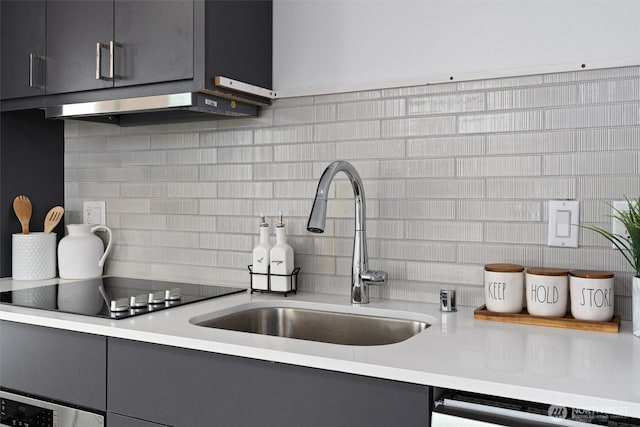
x=374, y=277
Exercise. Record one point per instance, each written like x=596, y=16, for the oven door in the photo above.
x=23, y=411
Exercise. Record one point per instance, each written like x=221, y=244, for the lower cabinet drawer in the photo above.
x=65, y=366
x=186, y=388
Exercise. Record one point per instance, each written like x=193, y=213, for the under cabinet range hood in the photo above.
x=175, y=107
x=154, y=109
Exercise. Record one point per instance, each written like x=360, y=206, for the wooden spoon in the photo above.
x=22, y=208
x=53, y=218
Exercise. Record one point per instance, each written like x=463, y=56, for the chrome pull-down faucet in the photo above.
x=361, y=276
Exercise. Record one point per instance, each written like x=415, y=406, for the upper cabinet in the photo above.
x=114, y=49
x=101, y=44
x=22, y=37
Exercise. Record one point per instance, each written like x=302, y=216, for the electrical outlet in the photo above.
x=94, y=212
x=616, y=226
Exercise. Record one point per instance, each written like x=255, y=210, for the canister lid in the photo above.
x=543, y=271
x=591, y=274
x=504, y=268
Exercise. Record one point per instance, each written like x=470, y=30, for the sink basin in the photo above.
x=318, y=325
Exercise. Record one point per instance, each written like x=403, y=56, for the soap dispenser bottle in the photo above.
x=261, y=258
x=281, y=261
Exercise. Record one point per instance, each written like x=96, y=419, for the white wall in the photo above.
x=328, y=46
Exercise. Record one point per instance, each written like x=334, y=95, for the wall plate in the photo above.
x=94, y=212
x=564, y=218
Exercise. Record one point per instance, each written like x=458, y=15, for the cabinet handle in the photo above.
x=99, y=47
x=111, y=52
x=36, y=79
x=31, y=56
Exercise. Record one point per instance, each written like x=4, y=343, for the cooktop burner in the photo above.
x=113, y=297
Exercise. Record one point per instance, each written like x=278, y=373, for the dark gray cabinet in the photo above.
x=51, y=363
x=22, y=48
x=101, y=44
x=180, y=387
x=74, y=28
x=113, y=49
x=153, y=43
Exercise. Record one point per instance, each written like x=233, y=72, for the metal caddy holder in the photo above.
x=293, y=281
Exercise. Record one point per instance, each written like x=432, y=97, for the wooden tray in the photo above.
x=558, y=322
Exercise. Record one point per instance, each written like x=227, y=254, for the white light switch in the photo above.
x=564, y=217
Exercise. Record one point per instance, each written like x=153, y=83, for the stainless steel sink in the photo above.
x=318, y=325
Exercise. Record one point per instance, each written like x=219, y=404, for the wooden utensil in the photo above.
x=53, y=218
x=22, y=208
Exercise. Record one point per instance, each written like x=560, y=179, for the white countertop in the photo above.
x=589, y=370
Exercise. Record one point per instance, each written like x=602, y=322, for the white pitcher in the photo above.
x=81, y=253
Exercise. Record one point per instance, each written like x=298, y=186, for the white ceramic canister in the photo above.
x=81, y=254
x=547, y=291
x=504, y=287
x=592, y=295
x=33, y=256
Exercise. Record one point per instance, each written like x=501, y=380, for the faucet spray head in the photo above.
x=318, y=216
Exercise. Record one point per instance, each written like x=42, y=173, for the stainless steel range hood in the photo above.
x=154, y=109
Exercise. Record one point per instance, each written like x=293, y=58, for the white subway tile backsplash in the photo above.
x=533, y=97
x=305, y=152
x=417, y=168
x=175, y=206
x=456, y=175
x=245, y=154
x=224, y=173
x=418, y=209
x=609, y=91
x=501, y=122
x=446, y=188
x=141, y=158
x=226, y=138
x=499, y=210
x=419, y=126
x=381, y=149
x=537, y=142
x=226, y=207
x=143, y=221
x=371, y=109
x=308, y=114
x=169, y=141
x=233, y=190
x=444, y=104
x=499, y=166
x=192, y=156
x=450, y=146
x=444, y=230
x=531, y=188
x=346, y=131
x=172, y=173
x=192, y=189
x=284, y=135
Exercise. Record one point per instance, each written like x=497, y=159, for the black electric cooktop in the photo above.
x=113, y=297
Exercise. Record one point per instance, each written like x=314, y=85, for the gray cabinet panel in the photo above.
x=61, y=365
x=22, y=29
x=73, y=30
x=116, y=420
x=191, y=388
x=154, y=43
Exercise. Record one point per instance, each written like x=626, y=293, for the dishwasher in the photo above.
x=462, y=409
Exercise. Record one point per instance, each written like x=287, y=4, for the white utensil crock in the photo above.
x=81, y=254
x=33, y=256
